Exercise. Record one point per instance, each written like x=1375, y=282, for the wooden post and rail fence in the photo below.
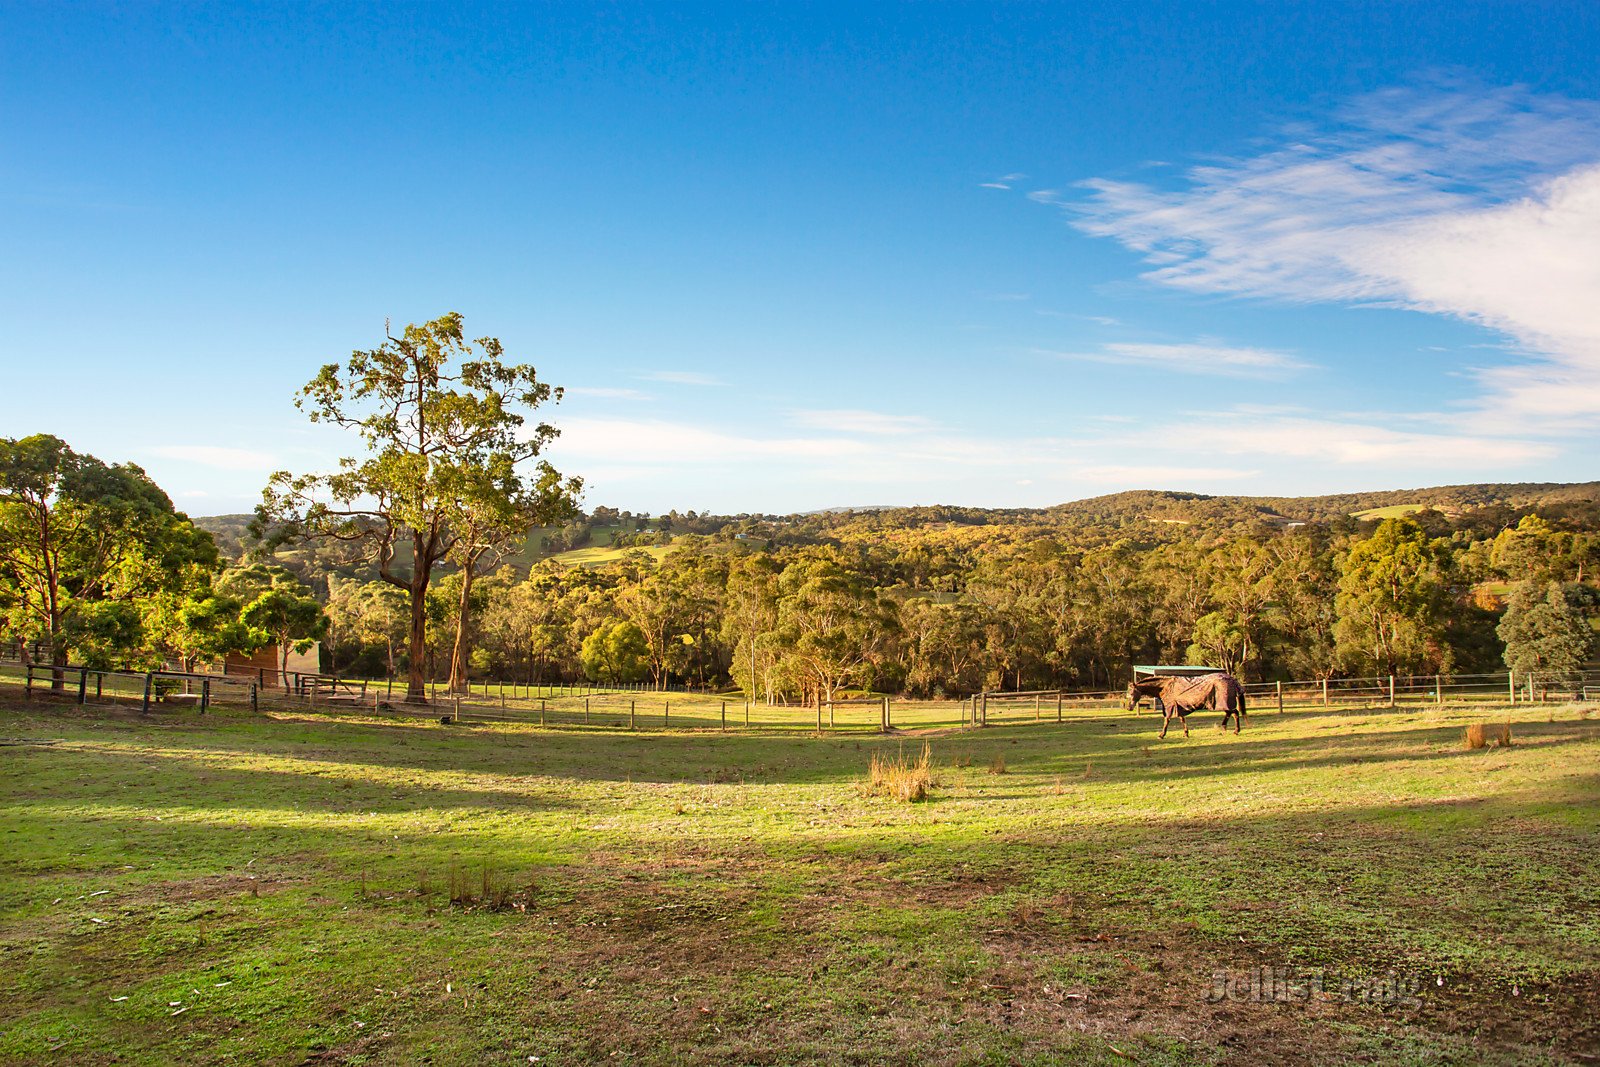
x=598, y=706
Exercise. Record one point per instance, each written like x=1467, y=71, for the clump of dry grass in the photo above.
x=901, y=778
x=1479, y=735
x=482, y=888
x=997, y=765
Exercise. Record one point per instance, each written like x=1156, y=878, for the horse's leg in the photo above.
x=1238, y=719
x=1165, y=719
x=1184, y=716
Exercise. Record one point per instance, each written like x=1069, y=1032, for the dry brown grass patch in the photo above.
x=1480, y=735
x=901, y=778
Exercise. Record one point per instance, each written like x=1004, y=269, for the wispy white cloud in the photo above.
x=682, y=377
x=1005, y=181
x=657, y=442
x=1206, y=357
x=1345, y=442
x=217, y=456
x=1483, y=205
x=857, y=421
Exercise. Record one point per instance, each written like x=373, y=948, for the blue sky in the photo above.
x=786, y=257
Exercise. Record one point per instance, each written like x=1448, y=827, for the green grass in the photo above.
x=1393, y=511
x=695, y=896
x=597, y=555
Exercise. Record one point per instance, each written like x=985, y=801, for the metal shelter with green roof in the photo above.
x=1156, y=670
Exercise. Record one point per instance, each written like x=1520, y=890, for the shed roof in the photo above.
x=1151, y=670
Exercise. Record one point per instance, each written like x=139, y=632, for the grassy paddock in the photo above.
x=279, y=887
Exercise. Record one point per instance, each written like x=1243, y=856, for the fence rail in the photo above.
x=642, y=708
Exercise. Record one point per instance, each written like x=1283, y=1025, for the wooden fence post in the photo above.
x=883, y=716
x=253, y=705
x=666, y=714
x=1511, y=686
x=541, y=711
x=149, y=679
x=724, y=716
x=1058, y=707
x=747, y=712
x=1324, y=692
x=631, y=719
x=1391, y=690
x=830, y=714
x=1438, y=691
x=205, y=695
x=83, y=685
x=586, y=711
x=1280, y=698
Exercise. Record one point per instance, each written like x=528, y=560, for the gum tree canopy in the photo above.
x=448, y=465
x=81, y=542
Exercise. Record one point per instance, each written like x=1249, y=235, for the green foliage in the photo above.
x=76, y=536
x=1392, y=602
x=616, y=652
x=1545, y=627
x=105, y=634
x=1217, y=643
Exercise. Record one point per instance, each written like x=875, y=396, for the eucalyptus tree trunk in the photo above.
x=461, y=654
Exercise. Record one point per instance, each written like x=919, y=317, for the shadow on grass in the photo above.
x=1118, y=750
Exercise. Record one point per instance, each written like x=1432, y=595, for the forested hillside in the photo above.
x=949, y=600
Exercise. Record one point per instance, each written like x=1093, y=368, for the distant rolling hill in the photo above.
x=1489, y=503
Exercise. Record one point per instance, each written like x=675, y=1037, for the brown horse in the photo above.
x=1177, y=697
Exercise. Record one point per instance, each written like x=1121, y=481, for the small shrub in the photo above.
x=1502, y=735
x=1475, y=735
x=997, y=765
x=899, y=778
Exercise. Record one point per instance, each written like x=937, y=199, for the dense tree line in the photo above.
x=96, y=564
x=926, y=607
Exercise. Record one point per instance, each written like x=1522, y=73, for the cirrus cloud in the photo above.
x=1206, y=357
x=1483, y=205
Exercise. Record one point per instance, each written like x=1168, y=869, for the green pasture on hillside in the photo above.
x=1393, y=511
x=277, y=888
